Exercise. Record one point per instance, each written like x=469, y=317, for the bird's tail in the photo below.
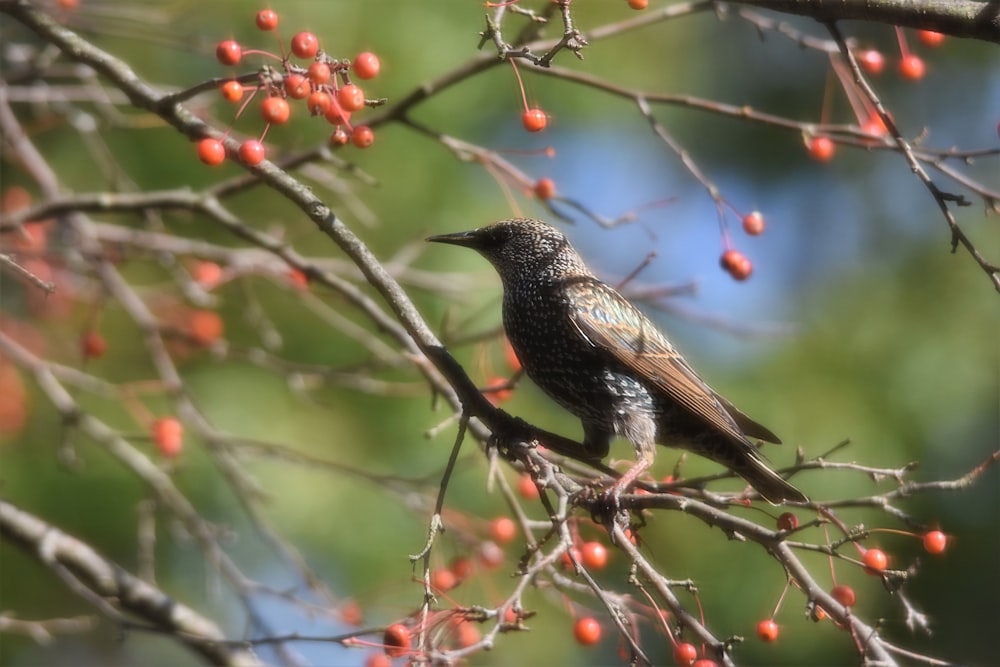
x=769, y=484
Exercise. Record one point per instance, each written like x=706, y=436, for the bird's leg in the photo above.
x=643, y=462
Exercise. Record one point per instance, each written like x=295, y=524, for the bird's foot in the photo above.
x=606, y=509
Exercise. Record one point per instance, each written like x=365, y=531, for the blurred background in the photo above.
x=858, y=321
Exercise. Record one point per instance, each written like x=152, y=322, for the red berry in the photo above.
x=526, y=487
x=93, y=344
x=211, y=152
x=503, y=529
x=767, y=630
x=638, y=4
x=788, y=521
x=275, y=110
x=339, y=137
x=930, y=38
x=587, y=631
x=871, y=61
x=569, y=558
x=351, y=97
x=935, y=542
x=396, y=640
x=251, y=152
x=705, y=662
x=912, y=67
x=443, y=580
x=232, y=91
x=228, y=52
x=207, y=274
x=822, y=149
x=297, y=86
x=305, y=45
x=362, y=136
x=875, y=561
x=753, y=223
x=594, y=555
x=298, y=278
x=534, y=120
x=844, y=595
x=319, y=73
x=267, y=19
x=685, y=654
x=319, y=103
x=366, y=65
x=168, y=436
x=736, y=264
x=544, y=188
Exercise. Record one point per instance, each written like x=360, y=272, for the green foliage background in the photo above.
x=895, y=342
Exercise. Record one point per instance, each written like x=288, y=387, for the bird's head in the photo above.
x=521, y=248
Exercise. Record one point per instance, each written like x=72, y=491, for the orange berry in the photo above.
x=875, y=561
x=544, y=188
x=351, y=97
x=871, y=61
x=275, y=110
x=497, y=390
x=526, y=487
x=767, y=630
x=844, y=595
x=753, y=223
x=587, y=631
x=208, y=275
x=93, y=344
x=297, y=86
x=305, y=45
x=396, y=640
x=205, y=326
x=638, y=4
x=168, y=436
x=935, y=542
x=468, y=634
x=267, y=19
x=534, y=120
x=736, y=264
x=211, y=152
x=319, y=73
x=503, y=529
x=228, y=52
x=251, y=152
x=685, y=654
x=378, y=660
x=912, y=67
x=366, y=65
x=822, y=149
x=594, y=555
x=232, y=91
x=350, y=613
x=362, y=136
x=930, y=38
x=461, y=567
x=443, y=580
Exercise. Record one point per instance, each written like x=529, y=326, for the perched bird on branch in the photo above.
x=599, y=357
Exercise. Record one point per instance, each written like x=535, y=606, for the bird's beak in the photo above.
x=468, y=239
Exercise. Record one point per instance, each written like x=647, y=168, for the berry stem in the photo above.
x=520, y=84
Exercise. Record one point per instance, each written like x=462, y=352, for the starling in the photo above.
x=600, y=358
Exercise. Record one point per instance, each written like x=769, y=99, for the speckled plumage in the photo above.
x=599, y=357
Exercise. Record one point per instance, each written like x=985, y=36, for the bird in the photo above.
x=599, y=357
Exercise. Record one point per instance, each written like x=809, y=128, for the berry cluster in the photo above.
x=325, y=85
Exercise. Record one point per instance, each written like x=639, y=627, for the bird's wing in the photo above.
x=608, y=321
